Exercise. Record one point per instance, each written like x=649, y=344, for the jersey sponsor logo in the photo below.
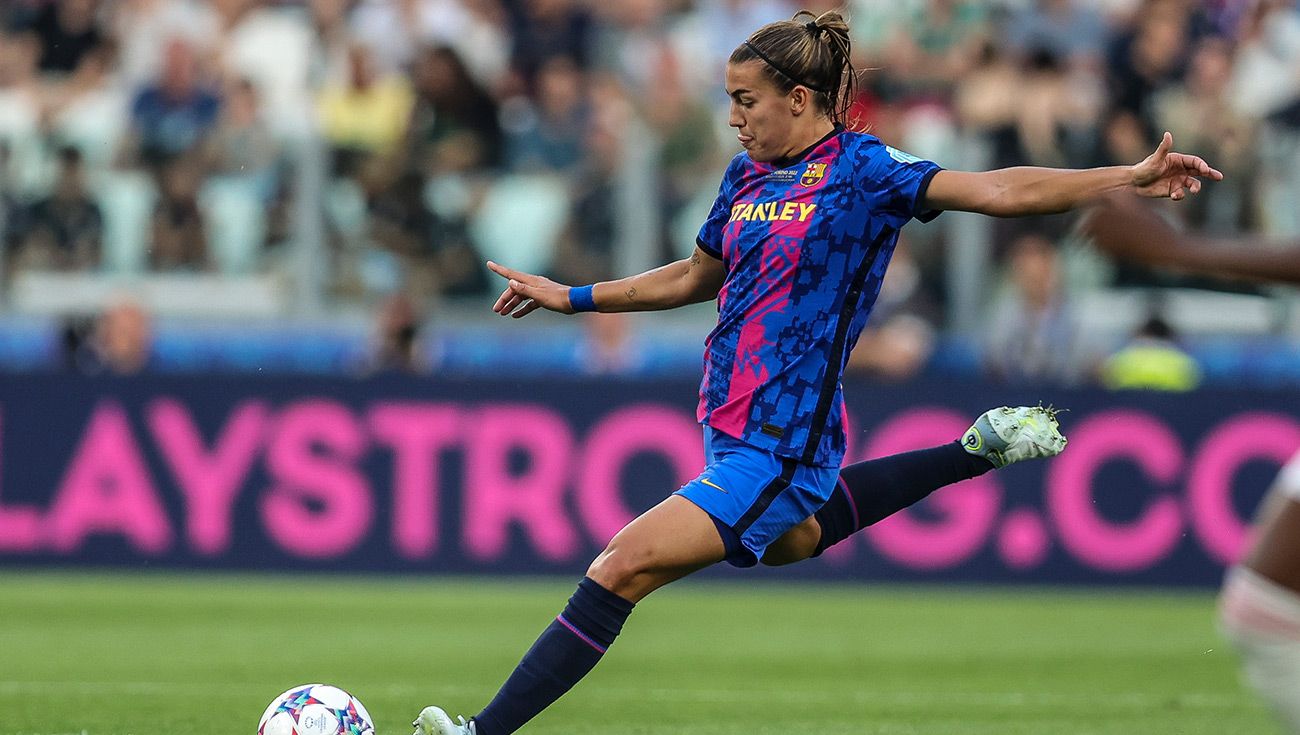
x=778, y=211
x=900, y=156
x=813, y=174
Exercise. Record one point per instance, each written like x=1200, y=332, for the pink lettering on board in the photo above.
x=209, y=480
x=417, y=432
x=629, y=431
x=20, y=527
x=532, y=499
x=107, y=490
x=1097, y=542
x=966, y=511
x=1246, y=437
x=319, y=506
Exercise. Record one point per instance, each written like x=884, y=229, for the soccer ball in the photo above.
x=316, y=709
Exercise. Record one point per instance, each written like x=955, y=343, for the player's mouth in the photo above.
x=745, y=140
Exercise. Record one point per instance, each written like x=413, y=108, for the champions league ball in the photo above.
x=316, y=709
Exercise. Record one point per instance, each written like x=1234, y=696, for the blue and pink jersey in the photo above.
x=805, y=244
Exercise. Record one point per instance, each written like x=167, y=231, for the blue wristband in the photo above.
x=580, y=298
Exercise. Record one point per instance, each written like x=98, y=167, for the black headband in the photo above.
x=813, y=28
x=778, y=67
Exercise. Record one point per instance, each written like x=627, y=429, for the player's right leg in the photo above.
x=876, y=489
x=1259, y=606
x=666, y=543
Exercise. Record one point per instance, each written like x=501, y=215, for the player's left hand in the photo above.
x=1167, y=173
x=526, y=293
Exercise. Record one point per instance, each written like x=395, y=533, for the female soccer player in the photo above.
x=1259, y=606
x=793, y=250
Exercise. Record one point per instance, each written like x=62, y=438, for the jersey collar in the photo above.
x=801, y=155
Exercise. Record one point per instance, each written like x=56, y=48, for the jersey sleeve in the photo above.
x=895, y=182
x=710, y=237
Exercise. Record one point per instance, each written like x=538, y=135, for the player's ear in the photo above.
x=800, y=98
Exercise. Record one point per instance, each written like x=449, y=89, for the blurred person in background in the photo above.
x=178, y=238
x=454, y=123
x=1259, y=604
x=1033, y=333
x=88, y=110
x=366, y=113
x=793, y=250
x=543, y=30
x=609, y=346
x=118, y=343
x=241, y=147
x=1151, y=360
x=396, y=348
x=64, y=230
x=20, y=105
x=547, y=134
x=67, y=31
x=901, y=334
x=1198, y=108
x=171, y=116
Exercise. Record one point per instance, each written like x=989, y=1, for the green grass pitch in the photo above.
x=202, y=654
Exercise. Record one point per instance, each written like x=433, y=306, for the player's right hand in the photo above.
x=526, y=293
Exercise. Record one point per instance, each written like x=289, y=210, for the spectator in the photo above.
x=179, y=239
x=368, y=112
x=548, y=135
x=548, y=29
x=1033, y=330
x=64, y=230
x=396, y=349
x=89, y=110
x=240, y=146
x=121, y=344
x=172, y=116
x=1152, y=360
x=454, y=125
x=902, y=333
x=67, y=31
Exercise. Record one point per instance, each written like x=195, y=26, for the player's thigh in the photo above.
x=1275, y=553
x=794, y=545
x=666, y=543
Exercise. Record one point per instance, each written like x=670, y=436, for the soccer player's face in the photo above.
x=761, y=115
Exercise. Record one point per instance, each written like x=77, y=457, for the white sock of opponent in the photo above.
x=1262, y=619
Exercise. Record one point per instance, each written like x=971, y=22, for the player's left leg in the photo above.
x=871, y=491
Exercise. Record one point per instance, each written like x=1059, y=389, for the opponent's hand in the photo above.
x=526, y=293
x=1167, y=173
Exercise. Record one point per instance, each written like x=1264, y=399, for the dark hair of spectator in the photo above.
x=813, y=53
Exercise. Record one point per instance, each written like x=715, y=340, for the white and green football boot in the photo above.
x=1008, y=435
x=435, y=721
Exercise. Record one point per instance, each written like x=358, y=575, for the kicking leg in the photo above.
x=666, y=543
x=871, y=491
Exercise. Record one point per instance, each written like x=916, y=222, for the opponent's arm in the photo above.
x=687, y=281
x=1128, y=229
x=1028, y=190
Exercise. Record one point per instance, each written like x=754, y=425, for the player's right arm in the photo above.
x=1126, y=228
x=688, y=281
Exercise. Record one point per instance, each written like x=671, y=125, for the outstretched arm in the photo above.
x=1029, y=190
x=1127, y=229
x=687, y=281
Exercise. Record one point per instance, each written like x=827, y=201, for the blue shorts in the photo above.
x=755, y=496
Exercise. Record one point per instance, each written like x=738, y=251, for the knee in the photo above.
x=620, y=570
x=797, y=544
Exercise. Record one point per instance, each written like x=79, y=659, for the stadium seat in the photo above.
x=520, y=219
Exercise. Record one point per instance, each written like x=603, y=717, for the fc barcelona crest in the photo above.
x=813, y=174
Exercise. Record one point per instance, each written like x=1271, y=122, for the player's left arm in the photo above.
x=1030, y=190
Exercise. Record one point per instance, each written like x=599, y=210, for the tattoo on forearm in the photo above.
x=631, y=294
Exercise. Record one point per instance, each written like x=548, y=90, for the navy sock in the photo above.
x=876, y=489
x=565, y=652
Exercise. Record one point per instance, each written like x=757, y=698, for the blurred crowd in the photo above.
x=422, y=136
